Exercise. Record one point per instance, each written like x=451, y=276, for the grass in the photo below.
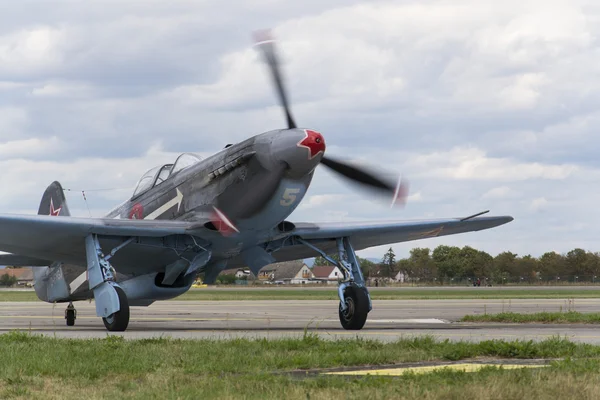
x=212, y=294
x=18, y=296
x=49, y=368
x=568, y=317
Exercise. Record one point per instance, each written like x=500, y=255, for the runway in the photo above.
x=389, y=320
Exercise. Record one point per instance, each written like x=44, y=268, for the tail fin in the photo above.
x=54, y=201
x=50, y=282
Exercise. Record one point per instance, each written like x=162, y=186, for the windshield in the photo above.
x=163, y=174
x=146, y=181
x=183, y=161
x=158, y=175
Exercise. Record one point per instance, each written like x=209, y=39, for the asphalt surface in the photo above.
x=389, y=320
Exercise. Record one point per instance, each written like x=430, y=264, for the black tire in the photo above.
x=357, y=308
x=70, y=317
x=118, y=321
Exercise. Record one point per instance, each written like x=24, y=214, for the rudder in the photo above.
x=54, y=202
x=51, y=282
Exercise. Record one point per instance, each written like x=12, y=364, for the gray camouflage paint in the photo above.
x=221, y=180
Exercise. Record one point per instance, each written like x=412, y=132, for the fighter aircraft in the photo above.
x=203, y=215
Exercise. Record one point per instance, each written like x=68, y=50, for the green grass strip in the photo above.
x=569, y=317
x=44, y=367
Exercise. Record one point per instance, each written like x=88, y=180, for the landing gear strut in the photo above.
x=111, y=301
x=355, y=302
x=70, y=314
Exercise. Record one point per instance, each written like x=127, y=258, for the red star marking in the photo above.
x=314, y=142
x=54, y=212
x=136, y=212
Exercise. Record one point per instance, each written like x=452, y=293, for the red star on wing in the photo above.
x=54, y=212
x=314, y=142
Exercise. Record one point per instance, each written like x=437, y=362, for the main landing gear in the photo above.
x=118, y=321
x=111, y=302
x=355, y=302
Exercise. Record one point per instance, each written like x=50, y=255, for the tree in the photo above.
x=576, y=261
x=527, y=267
x=7, y=280
x=421, y=264
x=470, y=267
x=447, y=261
x=228, y=279
x=389, y=263
x=551, y=265
x=504, y=264
x=320, y=260
x=366, y=266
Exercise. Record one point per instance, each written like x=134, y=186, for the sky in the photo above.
x=479, y=104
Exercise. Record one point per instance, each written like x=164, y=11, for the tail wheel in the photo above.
x=70, y=317
x=118, y=321
x=357, y=308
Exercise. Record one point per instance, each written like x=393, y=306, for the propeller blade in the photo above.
x=266, y=44
x=398, y=191
x=222, y=224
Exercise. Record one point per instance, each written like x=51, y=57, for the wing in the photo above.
x=368, y=234
x=40, y=238
x=17, y=260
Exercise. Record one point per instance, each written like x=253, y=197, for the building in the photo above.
x=243, y=273
x=401, y=277
x=24, y=275
x=329, y=274
x=290, y=272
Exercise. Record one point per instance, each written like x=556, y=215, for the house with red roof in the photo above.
x=329, y=274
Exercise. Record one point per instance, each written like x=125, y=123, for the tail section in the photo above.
x=54, y=202
x=51, y=283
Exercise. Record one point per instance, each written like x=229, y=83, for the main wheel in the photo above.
x=357, y=308
x=118, y=321
x=70, y=317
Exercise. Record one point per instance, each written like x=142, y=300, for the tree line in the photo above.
x=448, y=264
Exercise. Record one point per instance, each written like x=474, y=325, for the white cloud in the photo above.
x=501, y=192
x=33, y=49
x=320, y=200
x=474, y=164
x=28, y=147
x=12, y=122
x=63, y=90
x=538, y=204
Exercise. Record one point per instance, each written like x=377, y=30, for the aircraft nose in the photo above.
x=313, y=142
x=300, y=149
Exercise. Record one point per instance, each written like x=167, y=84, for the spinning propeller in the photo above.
x=368, y=179
x=265, y=183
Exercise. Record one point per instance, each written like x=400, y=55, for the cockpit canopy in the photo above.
x=158, y=175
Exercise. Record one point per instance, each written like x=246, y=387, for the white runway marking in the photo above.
x=408, y=321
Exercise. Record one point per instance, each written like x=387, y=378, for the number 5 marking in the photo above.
x=289, y=197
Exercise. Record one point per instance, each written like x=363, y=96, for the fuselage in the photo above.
x=267, y=175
